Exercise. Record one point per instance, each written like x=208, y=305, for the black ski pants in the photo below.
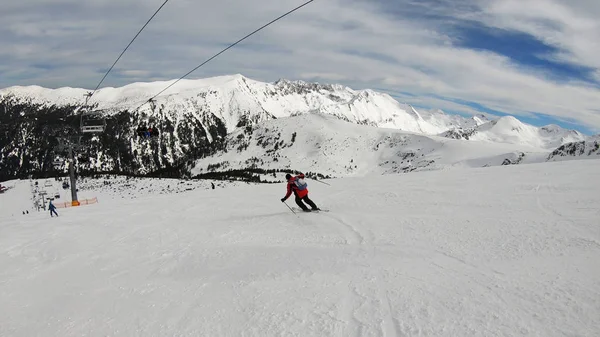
x=307, y=200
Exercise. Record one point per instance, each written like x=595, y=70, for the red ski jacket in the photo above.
x=292, y=188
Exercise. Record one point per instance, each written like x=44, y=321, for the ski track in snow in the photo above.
x=506, y=251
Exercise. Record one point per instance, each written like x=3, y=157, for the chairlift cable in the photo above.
x=123, y=52
x=229, y=47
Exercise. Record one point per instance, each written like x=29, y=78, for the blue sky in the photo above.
x=538, y=119
x=534, y=59
x=523, y=49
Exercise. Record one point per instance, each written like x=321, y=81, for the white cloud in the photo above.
x=135, y=73
x=348, y=41
x=433, y=103
x=569, y=25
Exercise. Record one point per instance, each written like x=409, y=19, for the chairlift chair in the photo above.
x=92, y=122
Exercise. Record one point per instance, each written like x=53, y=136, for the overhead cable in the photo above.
x=123, y=52
x=229, y=47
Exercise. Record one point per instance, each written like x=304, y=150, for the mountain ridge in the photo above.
x=196, y=116
x=326, y=145
x=236, y=97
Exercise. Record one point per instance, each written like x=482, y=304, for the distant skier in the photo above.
x=298, y=186
x=212, y=185
x=52, y=209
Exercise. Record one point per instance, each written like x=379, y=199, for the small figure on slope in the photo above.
x=52, y=209
x=298, y=186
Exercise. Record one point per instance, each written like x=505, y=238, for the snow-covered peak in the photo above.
x=237, y=101
x=286, y=83
x=551, y=128
x=236, y=98
x=508, y=129
x=480, y=119
x=35, y=94
x=507, y=122
x=320, y=143
x=506, y=126
x=556, y=130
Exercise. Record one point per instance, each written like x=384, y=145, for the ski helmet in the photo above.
x=288, y=176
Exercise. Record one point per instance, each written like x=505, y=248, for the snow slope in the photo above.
x=475, y=252
x=106, y=187
x=324, y=144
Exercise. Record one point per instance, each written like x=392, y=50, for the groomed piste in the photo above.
x=499, y=251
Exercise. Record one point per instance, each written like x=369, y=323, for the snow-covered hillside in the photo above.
x=323, y=144
x=510, y=130
x=476, y=252
x=239, y=101
x=577, y=150
x=194, y=116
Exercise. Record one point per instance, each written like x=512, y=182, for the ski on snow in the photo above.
x=299, y=210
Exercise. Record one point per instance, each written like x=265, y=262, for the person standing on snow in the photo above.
x=297, y=185
x=52, y=209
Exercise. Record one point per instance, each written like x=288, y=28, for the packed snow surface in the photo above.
x=500, y=251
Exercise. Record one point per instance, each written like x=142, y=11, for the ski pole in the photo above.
x=321, y=182
x=289, y=207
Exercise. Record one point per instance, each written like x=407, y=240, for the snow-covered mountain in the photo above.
x=508, y=129
x=323, y=144
x=195, y=116
x=577, y=150
x=238, y=100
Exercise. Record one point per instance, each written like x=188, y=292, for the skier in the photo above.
x=141, y=130
x=52, y=209
x=153, y=132
x=297, y=185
